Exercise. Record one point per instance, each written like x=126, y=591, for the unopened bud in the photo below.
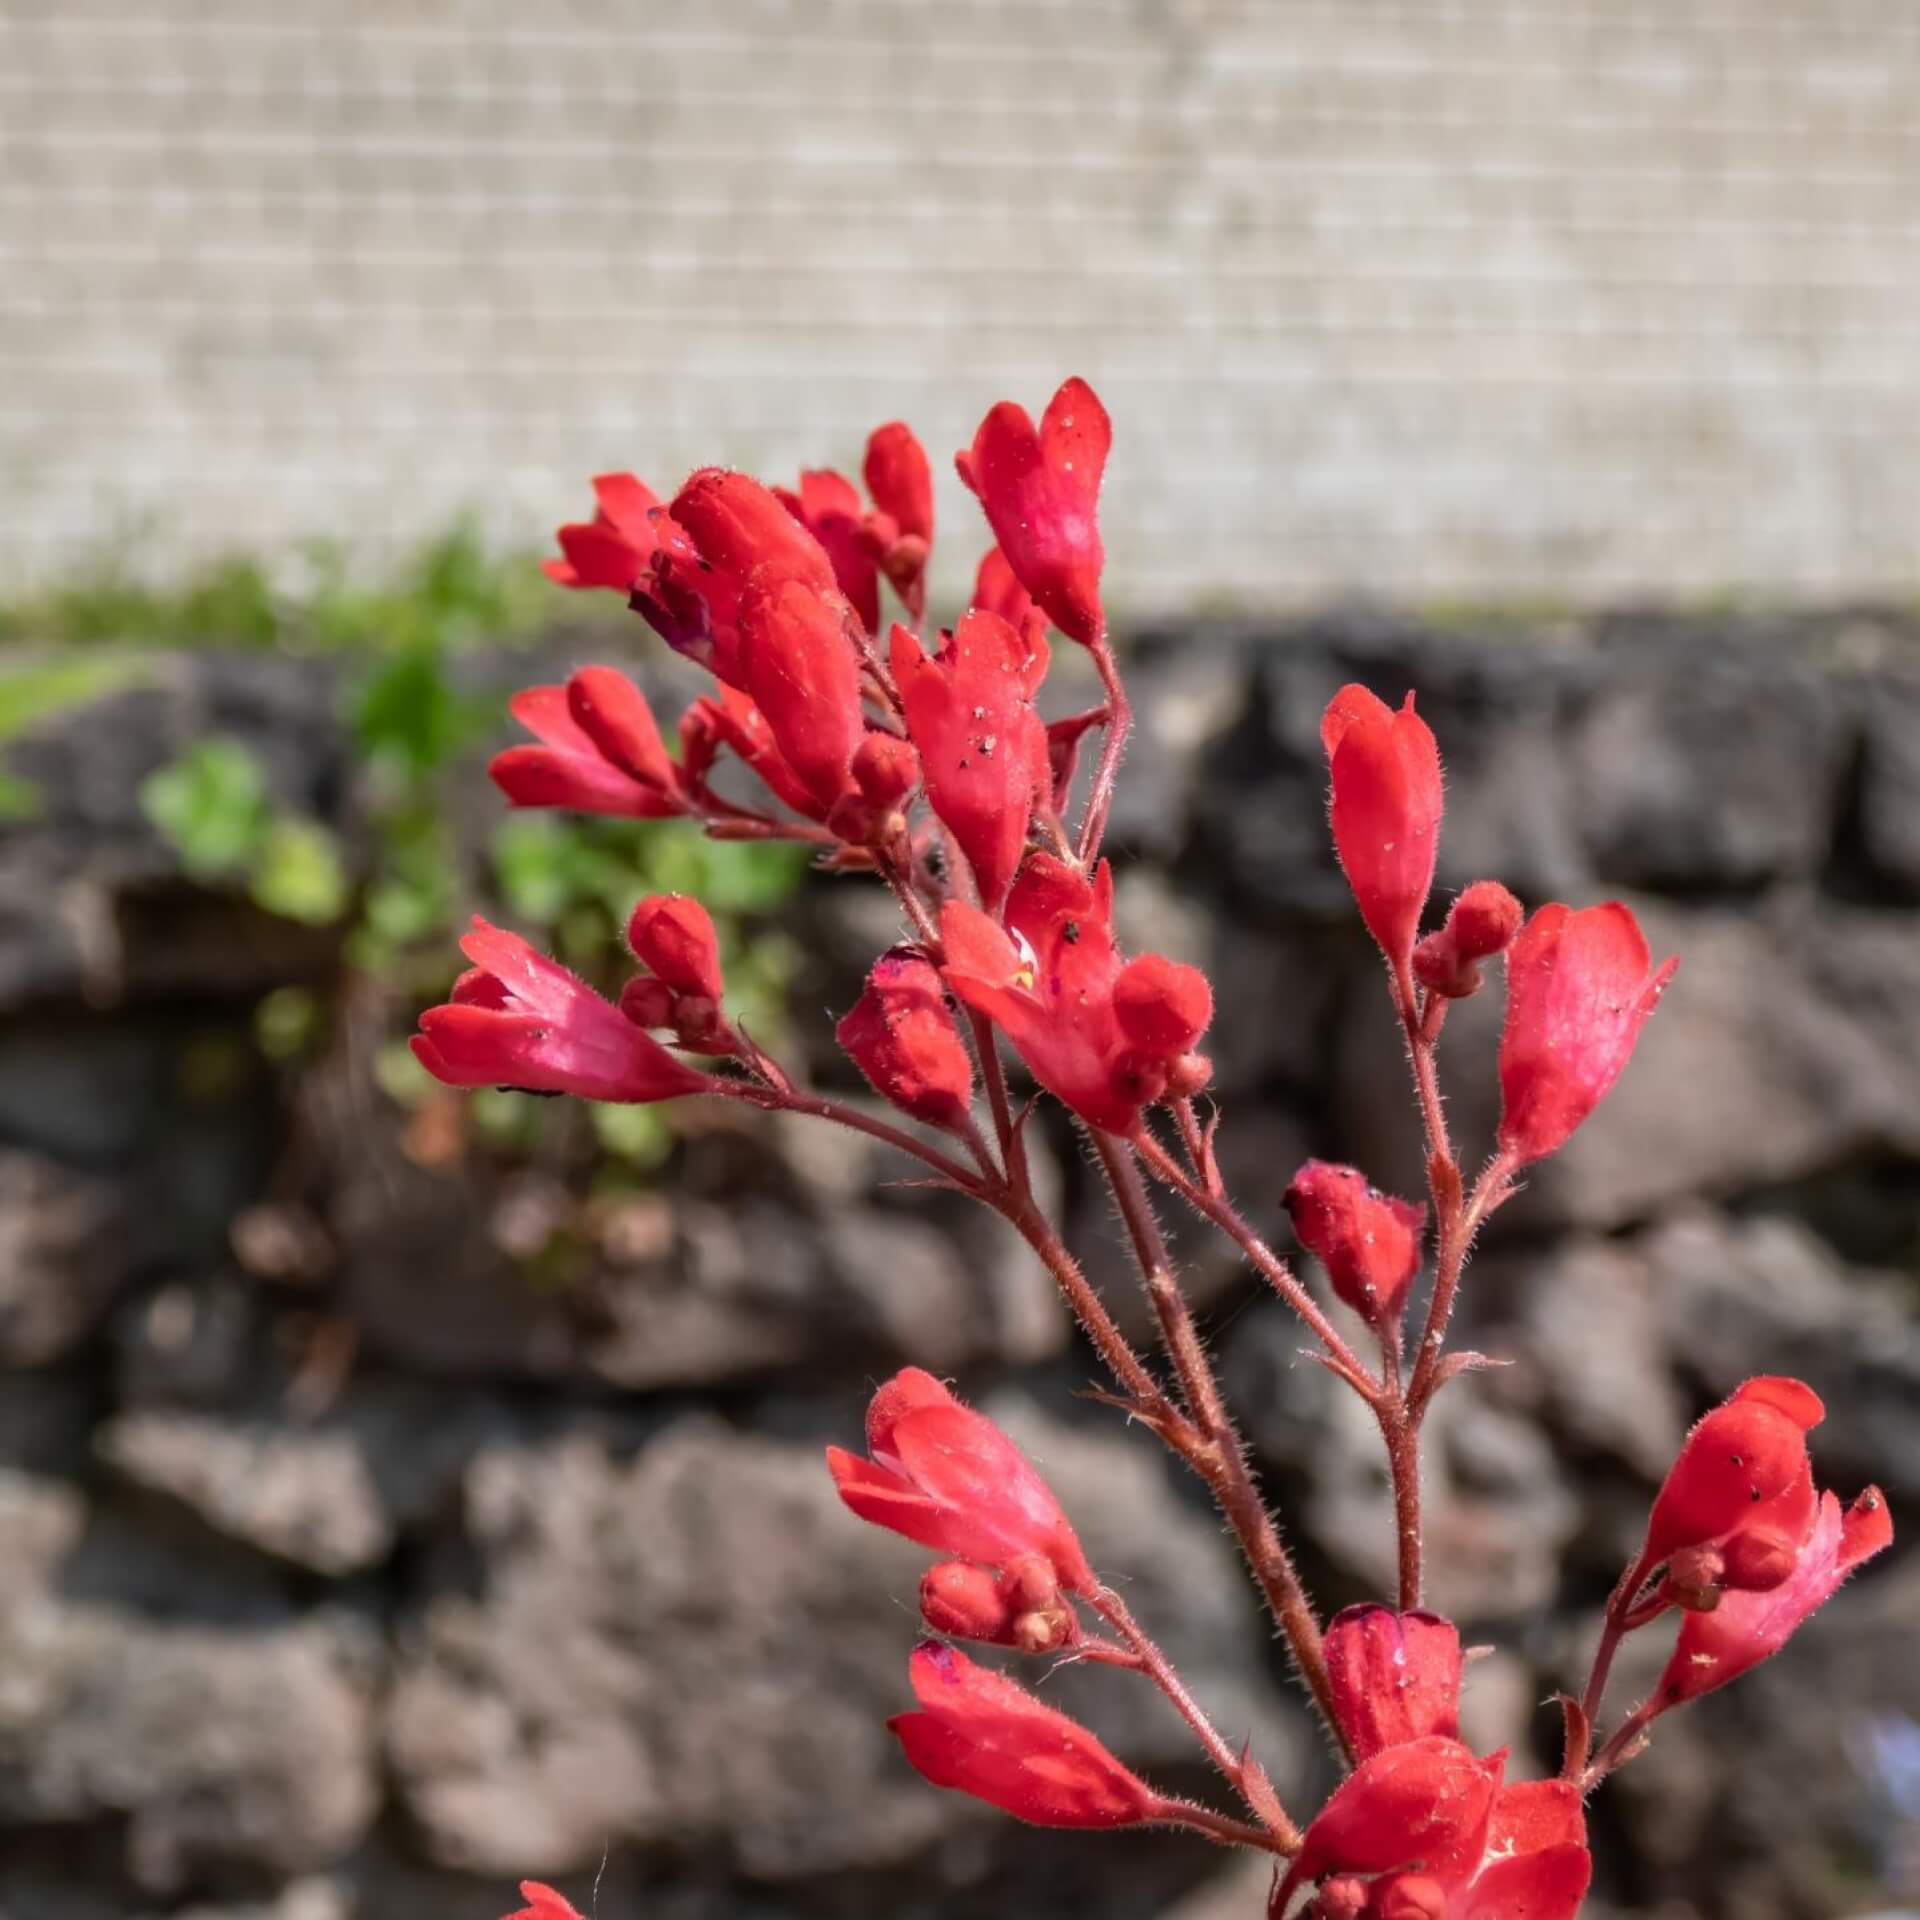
x=1022, y=1610
x=1163, y=1006
x=1483, y=922
x=1758, y=1560
x=886, y=769
x=1694, y=1577
x=673, y=936
x=1342, y=1898
x=1408, y=1896
x=1192, y=1073
x=648, y=1001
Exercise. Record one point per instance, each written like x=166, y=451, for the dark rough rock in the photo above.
x=63, y=1256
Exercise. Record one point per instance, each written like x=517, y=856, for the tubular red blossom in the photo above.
x=733, y=720
x=1744, y=1466
x=615, y=547
x=593, y=754
x=738, y=526
x=801, y=666
x=982, y=744
x=1368, y=1241
x=979, y=1733
x=1163, y=1005
x=673, y=936
x=996, y=589
x=1041, y=492
x=885, y=769
x=900, y=1034
x=1395, y=1677
x=521, y=1020
x=1483, y=922
x=972, y=1603
x=1578, y=993
x=947, y=1477
x=900, y=530
x=828, y=506
x=1425, y=1803
x=1747, y=1628
x=1536, y=1865
x=1046, y=982
x=691, y=604
x=543, y=1904
x=1385, y=772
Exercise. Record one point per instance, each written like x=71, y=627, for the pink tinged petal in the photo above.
x=545, y=777
x=1395, y=1677
x=613, y=714
x=1548, y=1885
x=627, y=505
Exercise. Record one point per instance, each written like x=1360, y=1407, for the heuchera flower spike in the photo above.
x=828, y=506
x=615, y=548
x=1041, y=492
x=521, y=1020
x=982, y=743
x=947, y=1477
x=1746, y=1628
x=1395, y=1677
x=1384, y=768
x=599, y=751
x=980, y=1733
x=1578, y=993
x=543, y=1904
x=1483, y=922
x=900, y=1034
x=1368, y=1241
x=899, y=531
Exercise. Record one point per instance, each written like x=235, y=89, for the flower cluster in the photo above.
x=948, y=771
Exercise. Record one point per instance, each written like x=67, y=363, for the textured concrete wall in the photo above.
x=1436, y=296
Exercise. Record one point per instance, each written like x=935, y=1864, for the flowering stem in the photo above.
x=1221, y=1459
x=1272, y=1268
x=1217, y=1826
x=1093, y=829
x=791, y=1100
x=1249, y=1781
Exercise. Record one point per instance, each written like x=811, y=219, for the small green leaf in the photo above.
x=211, y=806
x=641, y=1136
x=299, y=873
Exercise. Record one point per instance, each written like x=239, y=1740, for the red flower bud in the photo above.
x=1341, y=1898
x=738, y=526
x=1385, y=772
x=983, y=746
x=900, y=480
x=1747, y=1628
x=949, y=1478
x=997, y=590
x=599, y=751
x=522, y=1020
x=885, y=769
x=614, y=548
x=1578, y=993
x=829, y=508
x=733, y=720
x=801, y=666
x=543, y=1904
x=902, y=1037
x=1164, y=1006
x=648, y=1002
x=1483, y=922
x=1395, y=1677
x=979, y=1733
x=1407, y=1896
x=1041, y=492
x=1368, y=1241
x=1022, y=1610
x=673, y=936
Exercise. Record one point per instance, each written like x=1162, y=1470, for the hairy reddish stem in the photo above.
x=1093, y=829
x=1223, y=1461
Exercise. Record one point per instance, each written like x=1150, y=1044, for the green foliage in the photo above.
x=214, y=807
x=31, y=694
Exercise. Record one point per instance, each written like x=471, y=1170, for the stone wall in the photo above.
x=348, y=1571
x=1466, y=297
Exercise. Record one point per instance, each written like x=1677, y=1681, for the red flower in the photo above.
x=731, y=719
x=690, y=603
x=1014, y=1610
x=615, y=547
x=828, y=506
x=1048, y=981
x=1425, y=1803
x=1536, y=1865
x=1395, y=1677
x=1578, y=993
x=900, y=1034
x=996, y=590
x=1041, y=492
x=943, y=1475
x=982, y=743
x=800, y=664
x=1163, y=1005
x=521, y=1020
x=979, y=1733
x=1482, y=922
x=900, y=529
x=673, y=936
x=738, y=526
x=1385, y=771
x=1368, y=1242
x=1745, y=1628
x=543, y=1904
x=1742, y=1480
x=599, y=751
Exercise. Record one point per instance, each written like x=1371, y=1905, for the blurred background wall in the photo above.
x=1477, y=297
x=400, y=1493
